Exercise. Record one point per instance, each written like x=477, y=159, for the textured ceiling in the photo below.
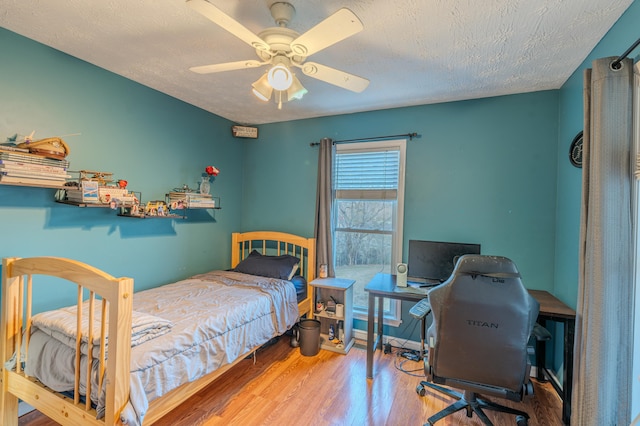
x=412, y=51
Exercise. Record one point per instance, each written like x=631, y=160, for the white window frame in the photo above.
x=393, y=317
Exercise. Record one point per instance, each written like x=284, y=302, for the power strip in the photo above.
x=410, y=355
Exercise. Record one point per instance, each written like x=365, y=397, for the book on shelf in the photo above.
x=21, y=165
x=33, y=173
x=32, y=159
x=13, y=148
x=187, y=195
x=210, y=204
x=192, y=199
x=31, y=181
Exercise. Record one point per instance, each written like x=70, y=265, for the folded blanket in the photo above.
x=61, y=324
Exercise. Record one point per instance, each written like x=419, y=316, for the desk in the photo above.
x=552, y=309
x=381, y=286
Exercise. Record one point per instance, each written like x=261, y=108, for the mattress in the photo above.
x=204, y=323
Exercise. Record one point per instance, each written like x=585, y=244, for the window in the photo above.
x=368, y=211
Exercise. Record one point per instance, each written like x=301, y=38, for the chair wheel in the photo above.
x=522, y=421
x=420, y=390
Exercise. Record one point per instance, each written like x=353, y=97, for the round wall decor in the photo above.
x=575, y=150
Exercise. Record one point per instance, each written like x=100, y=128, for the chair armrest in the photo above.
x=541, y=333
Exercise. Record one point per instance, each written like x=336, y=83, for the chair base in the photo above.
x=470, y=402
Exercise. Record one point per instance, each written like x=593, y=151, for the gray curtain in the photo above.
x=604, y=331
x=324, y=207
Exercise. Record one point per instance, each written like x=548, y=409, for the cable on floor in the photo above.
x=403, y=354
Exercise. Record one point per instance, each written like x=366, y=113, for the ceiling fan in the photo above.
x=283, y=48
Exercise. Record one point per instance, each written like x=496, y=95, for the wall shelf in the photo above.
x=147, y=216
x=76, y=204
x=123, y=210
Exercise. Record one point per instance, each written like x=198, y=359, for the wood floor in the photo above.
x=283, y=387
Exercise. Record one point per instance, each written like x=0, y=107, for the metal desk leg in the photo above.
x=370, y=343
x=379, y=340
x=541, y=355
x=423, y=333
x=567, y=380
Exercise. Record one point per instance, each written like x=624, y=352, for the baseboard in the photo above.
x=551, y=376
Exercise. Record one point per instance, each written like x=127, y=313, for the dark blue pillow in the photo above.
x=301, y=286
x=283, y=267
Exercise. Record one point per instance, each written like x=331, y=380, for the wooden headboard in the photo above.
x=276, y=244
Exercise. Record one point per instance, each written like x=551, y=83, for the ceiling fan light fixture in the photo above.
x=283, y=48
x=296, y=91
x=280, y=77
x=262, y=89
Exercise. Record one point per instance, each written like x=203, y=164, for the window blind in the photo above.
x=371, y=175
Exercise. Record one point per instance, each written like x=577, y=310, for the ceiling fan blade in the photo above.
x=228, y=23
x=228, y=66
x=342, y=24
x=335, y=77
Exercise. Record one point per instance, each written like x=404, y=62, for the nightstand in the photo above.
x=340, y=289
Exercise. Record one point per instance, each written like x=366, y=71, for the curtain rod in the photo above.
x=616, y=64
x=371, y=139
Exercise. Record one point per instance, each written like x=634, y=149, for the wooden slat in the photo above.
x=76, y=382
x=92, y=298
x=103, y=342
x=19, y=324
x=29, y=315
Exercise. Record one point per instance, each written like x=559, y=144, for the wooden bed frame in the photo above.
x=114, y=295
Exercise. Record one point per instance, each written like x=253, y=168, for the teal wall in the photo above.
x=150, y=139
x=481, y=171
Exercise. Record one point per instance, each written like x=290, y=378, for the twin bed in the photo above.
x=144, y=353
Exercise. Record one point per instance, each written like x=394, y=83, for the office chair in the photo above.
x=483, y=318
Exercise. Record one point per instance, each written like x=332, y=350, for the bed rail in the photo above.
x=115, y=298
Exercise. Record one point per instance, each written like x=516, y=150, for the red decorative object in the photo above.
x=211, y=171
x=122, y=183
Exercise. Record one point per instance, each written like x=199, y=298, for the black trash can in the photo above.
x=309, y=337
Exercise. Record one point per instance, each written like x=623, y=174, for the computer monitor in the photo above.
x=432, y=262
